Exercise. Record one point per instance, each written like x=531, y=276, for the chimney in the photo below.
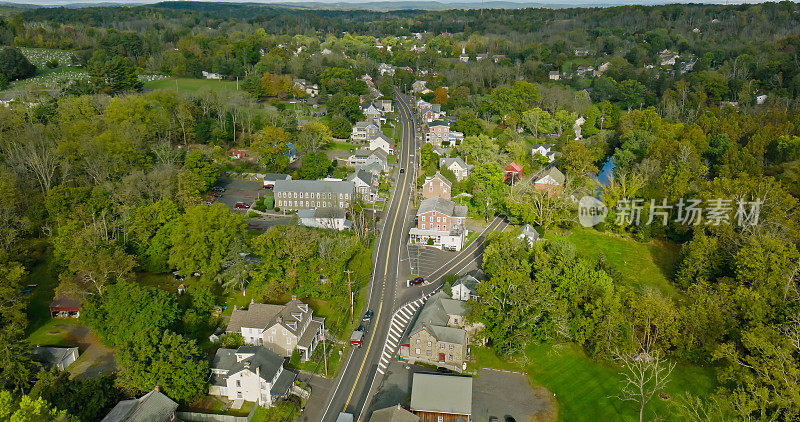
x=258, y=373
x=252, y=301
x=157, y=388
x=235, y=307
x=294, y=297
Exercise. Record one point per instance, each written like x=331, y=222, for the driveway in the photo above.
x=504, y=393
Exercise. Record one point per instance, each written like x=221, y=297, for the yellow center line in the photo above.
x=380, y=305
x=469, y=254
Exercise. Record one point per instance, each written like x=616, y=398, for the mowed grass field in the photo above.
x=639, y=264
x=586, y=390
x=191, y=85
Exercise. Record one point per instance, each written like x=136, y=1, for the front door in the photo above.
x=441, y=357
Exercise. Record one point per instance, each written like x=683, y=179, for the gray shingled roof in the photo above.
x=468, y=281
x=257, y=315
x=444, y=206
x=441, y=393
x=393, y=414
x=267, y=361
x=153, y=406
x=277, y=176
x=52, y=356
x=555, y=174
x=437, y=176
x=322, y=213
x=363, y=175
x=313, y=186
x=435, y=315
x=446, y=162
x=283, y=383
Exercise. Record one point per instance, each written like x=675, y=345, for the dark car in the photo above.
x=510, y=419
x=416, y=281
x=402, y=170
x=218, y=189
x=367, y=315
x=242, y=205
x=360, y=328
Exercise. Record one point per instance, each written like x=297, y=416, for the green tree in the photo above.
x=271, y=144
x=28, y=409
x=127, y=309
x=164, y=359
x=14, y=65
x=314, y=166
x=200, y=164
x=313, y=137
x=340, y=127
x=114, y=76
x=202, y=237
x=87, y=399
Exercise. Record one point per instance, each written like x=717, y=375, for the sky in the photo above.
x=521, y=2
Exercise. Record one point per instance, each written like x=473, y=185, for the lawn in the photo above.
x=639, y=264
x=55, y=332
x=214, y=405
x=585, y=390
x=42, y=273
x=191, y=85
x=279, y=413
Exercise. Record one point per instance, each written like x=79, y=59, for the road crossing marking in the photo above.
x=400, y=320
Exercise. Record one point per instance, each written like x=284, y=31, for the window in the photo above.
x=238, y=394
x=417, y=342
x=451, y=347
x=271, y=340
x=429, y=344
x=285, y=332
x=440, y=419
x=423, y=226
x=455, y=320
x=438, y=219
x=288, y=340
x=441, y=346
x=238, y=383
x=423, y=218
x=451, y=357
x=428, y=353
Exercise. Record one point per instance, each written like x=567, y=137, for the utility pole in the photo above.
x=350, y=292
x=325, y=353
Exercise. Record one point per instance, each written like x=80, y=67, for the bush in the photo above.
x=277, y=209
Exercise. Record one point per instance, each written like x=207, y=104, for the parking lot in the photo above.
x=499, y=394
x=239, y=191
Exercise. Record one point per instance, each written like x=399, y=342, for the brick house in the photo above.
x=438, y=336
x=436, y=186
x=440, y=223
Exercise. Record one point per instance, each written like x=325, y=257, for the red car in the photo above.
x=216, y=194
x=415, y=281
x=242, y=205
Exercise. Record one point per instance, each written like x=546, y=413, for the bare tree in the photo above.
x=644, y=374
x=38, y=156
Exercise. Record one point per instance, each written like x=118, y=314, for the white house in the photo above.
x=365, y=183
x=363, y=131
x=457, y=166
x=324, y=218
x=464, y=288
x=363, y=157
x=419, y=86
x=529, y=234
x=383, y=142
x=384, y=68
x=210, y=75
x=374, y=114
x=250, y=373
x=544, y=151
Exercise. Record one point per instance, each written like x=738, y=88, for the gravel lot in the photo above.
x=503, y=393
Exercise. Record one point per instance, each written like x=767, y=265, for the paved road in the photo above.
x=352, y=386
x=353, y=389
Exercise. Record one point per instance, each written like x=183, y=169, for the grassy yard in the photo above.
x=191, y=85
x=639, y=264
x=279, y=413
x=55, y=332
x=585, y=390
x=42, y=273
x=214, y=404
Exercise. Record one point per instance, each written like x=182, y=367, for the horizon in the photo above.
x=475, y=3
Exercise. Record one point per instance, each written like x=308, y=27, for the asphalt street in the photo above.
x=353, y=389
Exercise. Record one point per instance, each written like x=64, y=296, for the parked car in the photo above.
x=177, y=277
x=415, y=281
x=242, y=205
x=402, y=170
x=218, y=189
x=216, y=194
x=367, y=316
x=361, y=328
